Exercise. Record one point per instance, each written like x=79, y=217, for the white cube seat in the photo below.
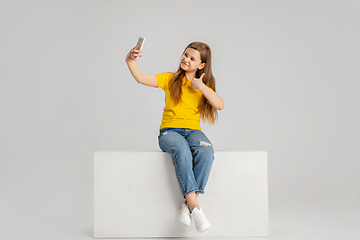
x=136, y=194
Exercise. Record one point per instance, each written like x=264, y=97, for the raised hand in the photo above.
x=197, y=82
x=134, y=54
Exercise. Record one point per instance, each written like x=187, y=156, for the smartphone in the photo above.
x=141, y=40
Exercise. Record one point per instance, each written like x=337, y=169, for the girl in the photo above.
x=189, y=95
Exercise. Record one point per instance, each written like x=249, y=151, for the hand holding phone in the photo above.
x=135, y=51
x=141, y=42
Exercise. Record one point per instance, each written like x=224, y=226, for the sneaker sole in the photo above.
x=187, y=223
x=204, y=227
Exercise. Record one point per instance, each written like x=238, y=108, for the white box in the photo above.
x=136, y=194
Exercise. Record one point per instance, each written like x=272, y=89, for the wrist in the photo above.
x=201, y=86
x=128, y=60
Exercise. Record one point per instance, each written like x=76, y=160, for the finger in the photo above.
x=202, y=75
x=137, y=46
x=134, y=53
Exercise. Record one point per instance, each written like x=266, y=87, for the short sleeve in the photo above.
x=163, y=79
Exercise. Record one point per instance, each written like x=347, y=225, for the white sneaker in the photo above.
x=201, y=223
x=184, y=215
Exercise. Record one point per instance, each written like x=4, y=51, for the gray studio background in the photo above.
x=288, y=72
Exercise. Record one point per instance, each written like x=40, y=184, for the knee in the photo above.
x=206, y=151
x=180, y=154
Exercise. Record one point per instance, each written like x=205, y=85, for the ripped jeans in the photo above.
x=192, y=155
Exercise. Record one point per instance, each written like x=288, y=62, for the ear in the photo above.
x=201, y=66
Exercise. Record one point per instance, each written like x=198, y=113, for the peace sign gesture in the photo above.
x=197, y=82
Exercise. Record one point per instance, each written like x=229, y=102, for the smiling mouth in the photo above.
x=185, y=64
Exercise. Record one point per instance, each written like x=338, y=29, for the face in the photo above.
x=191, y=61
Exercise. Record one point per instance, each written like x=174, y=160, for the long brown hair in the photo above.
x=207, y=111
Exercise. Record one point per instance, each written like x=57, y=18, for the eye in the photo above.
x=192, y=59
x=185, y=54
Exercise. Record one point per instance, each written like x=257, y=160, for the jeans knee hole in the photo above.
x=204, y=144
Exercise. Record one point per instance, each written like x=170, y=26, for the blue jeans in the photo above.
x=192, y=155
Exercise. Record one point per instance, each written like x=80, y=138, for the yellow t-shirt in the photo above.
x=185, y=114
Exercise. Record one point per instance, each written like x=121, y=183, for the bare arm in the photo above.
x=214, y=99
x=148, y=80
